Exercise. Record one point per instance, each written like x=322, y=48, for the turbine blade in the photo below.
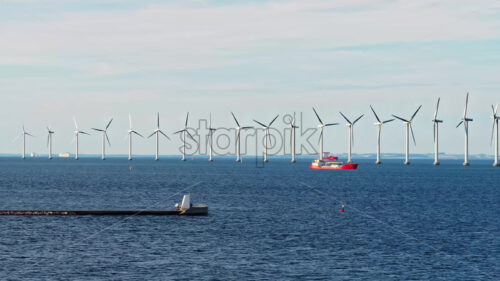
x=107, y=138
x=402, y=119
x=414, y=114
x=179, y=131
x=99, y=130
x=30, y=135
x=130, y=121
x=158, y=120
x=330, y=124
x=387, y=121
x=164, y=135
x=273, y=121
x=319, y=119
x=48, y=137
x=434, y=132
x=187, y=117
x=152, y=134
x=413, y=135
x=320, y=136
x=191, y=136
x=376, y=116
x=76, y=123
x=358, y=119
x=109, y=123
x=246, y=128
x=459, y=123
x=259, y=123
x=345, y=118
x=493, y=130
x=437, y=108
x=137, y=134
x=235, y=120
x=466, y=104
x=82, y=132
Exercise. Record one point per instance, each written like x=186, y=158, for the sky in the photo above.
x=96, y=60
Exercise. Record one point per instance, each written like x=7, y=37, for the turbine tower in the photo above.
x=104, y=138
x=238, y=139
x=379, y=124
x=131, y=131
x=408, y=129
x=49, y=141
x=266, y=135
x=184, y=132
x=465, y=120
x=350, y=125
x=292, y=137
x=322, y=126
x=24, y=134
x=77, y=133
x=436, y=134
x=211, y=135
x=494, y=133
x=158, y=131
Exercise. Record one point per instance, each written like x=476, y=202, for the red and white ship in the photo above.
x=331, y=165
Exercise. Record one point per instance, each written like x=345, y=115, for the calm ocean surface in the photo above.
x=280, y=222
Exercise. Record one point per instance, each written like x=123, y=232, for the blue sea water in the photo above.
x=277, y=222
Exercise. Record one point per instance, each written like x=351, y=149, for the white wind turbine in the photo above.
x=266, y=134
x=350, y=125
x=77, y=132
x=184, y=132
x=24, y=134
x=238, y=138
x=104, y=138
x=379, y=124
x=436, y=134
x=49, y=141
x=494, y=133
x=158, y=131
x=408, y=129
x=292, y=137
x=131, y=131
x=465, y=120
x=322, y=126
x=211, y=136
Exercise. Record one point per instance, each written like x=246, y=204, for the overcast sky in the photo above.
x=100, y=59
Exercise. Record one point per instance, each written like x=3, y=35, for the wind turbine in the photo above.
x=158, y=131
x=184, y=132
x=408, y=129
x=238, y=139
x=322, y=126
x=130, y=133
x=104, y=138
x=379, y=124
x=266, y=136
x=350, y=125
x=211, y=135
x=436, y=134
x=494, y=133
x=24, y=134
x=465, y=120
x=77, y=133
x=292, y=137
x=49, y=141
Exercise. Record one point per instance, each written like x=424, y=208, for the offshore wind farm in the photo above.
x=249, y=140
x=209, y=137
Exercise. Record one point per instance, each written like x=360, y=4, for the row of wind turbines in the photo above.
x=158, y=133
